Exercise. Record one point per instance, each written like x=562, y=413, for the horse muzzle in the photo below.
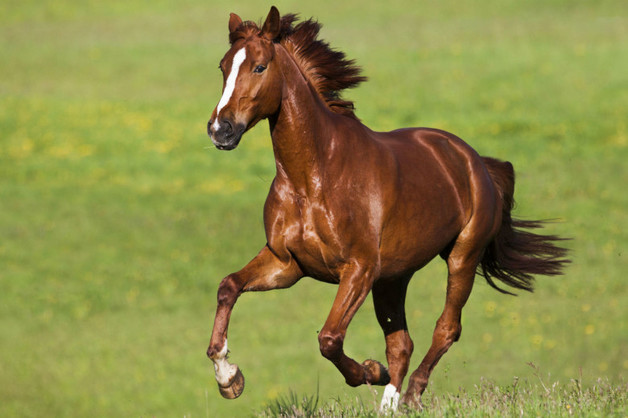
x=225, y=134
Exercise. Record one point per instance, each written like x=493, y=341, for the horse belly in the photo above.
x=412, y=246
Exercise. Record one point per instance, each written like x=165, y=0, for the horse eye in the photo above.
x=259, y=69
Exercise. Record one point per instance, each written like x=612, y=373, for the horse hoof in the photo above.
x=234, y=388
x=376, y=373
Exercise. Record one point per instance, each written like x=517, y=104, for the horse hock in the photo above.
x=229, y=377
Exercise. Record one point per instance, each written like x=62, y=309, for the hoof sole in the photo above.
x=235, y=387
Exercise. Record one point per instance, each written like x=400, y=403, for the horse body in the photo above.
x=359, y=208
x=378, y=196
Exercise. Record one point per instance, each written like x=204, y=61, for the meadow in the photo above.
x=118, y=218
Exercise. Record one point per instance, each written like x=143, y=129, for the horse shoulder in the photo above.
x=281, y=217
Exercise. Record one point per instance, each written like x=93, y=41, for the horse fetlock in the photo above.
x=412, y=400
x=412, y=397
x=229, y=377
x=215, y=353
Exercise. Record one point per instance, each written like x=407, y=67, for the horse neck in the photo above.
x=300, y=129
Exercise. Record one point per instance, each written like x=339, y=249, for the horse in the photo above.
x=359, y=208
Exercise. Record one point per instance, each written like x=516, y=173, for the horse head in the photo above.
x=251, y=80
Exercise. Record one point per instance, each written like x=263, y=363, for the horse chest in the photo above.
x=315, y=241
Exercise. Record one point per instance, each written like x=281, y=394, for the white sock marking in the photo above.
x=238, y=59
x=390, y=400
x=224, y=370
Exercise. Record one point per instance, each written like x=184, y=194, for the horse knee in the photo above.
x=330, y=345
x=417, y=383
x=228, y=291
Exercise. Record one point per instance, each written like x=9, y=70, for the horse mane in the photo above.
x=328, y=70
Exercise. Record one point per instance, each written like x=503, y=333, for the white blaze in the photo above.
x=238, y=59
x=390, y=400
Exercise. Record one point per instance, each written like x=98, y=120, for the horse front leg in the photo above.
x=355, y=284
x=264, y=272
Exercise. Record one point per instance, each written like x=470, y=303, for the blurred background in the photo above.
x=118, y=218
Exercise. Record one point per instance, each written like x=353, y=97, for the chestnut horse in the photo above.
x=359, y=208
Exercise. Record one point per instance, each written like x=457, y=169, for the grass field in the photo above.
x=485, y=399
x=118, y=218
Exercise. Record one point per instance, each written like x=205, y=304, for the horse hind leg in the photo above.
x=389, y=300
x=462, y=268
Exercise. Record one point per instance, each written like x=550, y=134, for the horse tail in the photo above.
x=515, y=254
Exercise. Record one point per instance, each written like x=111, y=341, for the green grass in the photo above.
x=485, y=399
x=118, y=219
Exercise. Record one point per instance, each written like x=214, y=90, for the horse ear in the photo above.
x=234, y=22
x=272, y=25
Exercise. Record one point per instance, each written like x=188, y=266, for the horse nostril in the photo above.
x=227, y=126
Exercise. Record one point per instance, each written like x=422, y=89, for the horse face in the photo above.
x=252, y=83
